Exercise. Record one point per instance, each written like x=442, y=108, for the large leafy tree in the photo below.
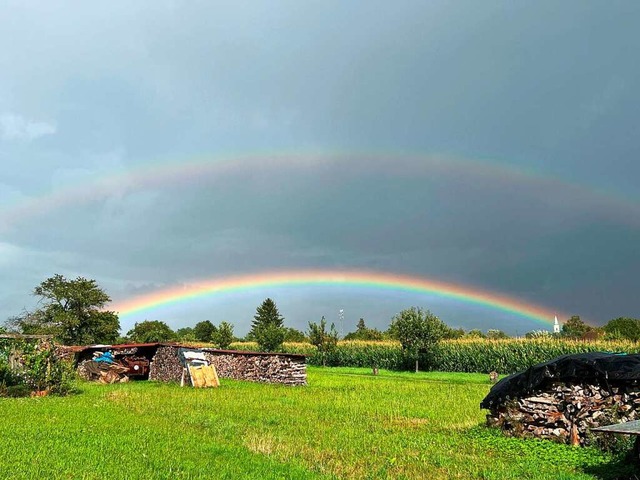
x=204, y=331
x=185, y=334
x=267, y=327
x=418, y=331
x=70, y=310
x=575, y=327
x=622, y=327
x=324, y=340
x=151, y=331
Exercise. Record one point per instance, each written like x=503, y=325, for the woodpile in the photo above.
x=274, y=368
x=565, y=412
x=165, y=365
x=102, y=372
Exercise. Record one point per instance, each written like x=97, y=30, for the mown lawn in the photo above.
x=345, y=424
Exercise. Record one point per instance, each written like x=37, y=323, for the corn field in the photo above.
x=462, y=355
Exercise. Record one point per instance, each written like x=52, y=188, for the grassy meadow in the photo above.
x=345, y=424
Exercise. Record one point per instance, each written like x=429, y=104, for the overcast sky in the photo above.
x=488, y=144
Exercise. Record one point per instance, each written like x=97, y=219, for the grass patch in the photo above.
x=345, y=424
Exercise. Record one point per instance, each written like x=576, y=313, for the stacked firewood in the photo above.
x=260, y=368
x=567, y=412
x=166, y=366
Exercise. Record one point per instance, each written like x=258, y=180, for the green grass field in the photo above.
x=345, y=424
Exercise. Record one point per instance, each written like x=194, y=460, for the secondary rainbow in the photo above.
x=380, y=281
x=208, y=169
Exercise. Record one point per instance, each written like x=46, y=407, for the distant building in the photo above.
x=556, y=325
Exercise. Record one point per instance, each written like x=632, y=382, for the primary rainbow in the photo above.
x=352, y=278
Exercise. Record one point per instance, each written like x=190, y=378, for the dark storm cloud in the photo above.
x=88, y=90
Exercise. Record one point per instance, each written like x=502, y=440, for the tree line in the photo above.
x=73, y=312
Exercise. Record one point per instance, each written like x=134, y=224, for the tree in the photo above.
x=575, y=327
x=204, y=331
x=267, y=326
x=223, y=335
x=294, y=335
x=454, y=333
x=623, y=328
x=493, y=334
x=186, y=334
x=151, y=331
x=418, y=331
x=71, y=311
x=325, y=341
x=475, y=333
x=364, y=333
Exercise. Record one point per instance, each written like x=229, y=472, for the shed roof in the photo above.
x=123, y=346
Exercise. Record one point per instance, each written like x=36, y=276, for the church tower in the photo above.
x=556, y=325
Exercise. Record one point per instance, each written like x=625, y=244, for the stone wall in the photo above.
x=259, y=367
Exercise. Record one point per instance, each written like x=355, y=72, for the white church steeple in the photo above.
x=556, y=325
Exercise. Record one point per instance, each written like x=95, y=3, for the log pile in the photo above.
x=102, y=372
x=165, y=365
x=284, y=369
x=566, y=412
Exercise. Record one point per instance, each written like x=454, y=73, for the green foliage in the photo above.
x=455, y=333
x=460, y=355
x=364, y=333
x=623, y=328
x=36, y=368
x=204, y=331
x=575, y=327
x=294, y=335
x=475, y=333
x=151, y=331
x=267, y=327
x=418, y=331
x=324, y=340
x=72, y=311
x=186, y=334
x=496, y=334
x=223, y=335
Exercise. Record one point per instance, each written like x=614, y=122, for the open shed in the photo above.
x=164, y=362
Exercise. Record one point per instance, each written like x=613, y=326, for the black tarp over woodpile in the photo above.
x=604, y=369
